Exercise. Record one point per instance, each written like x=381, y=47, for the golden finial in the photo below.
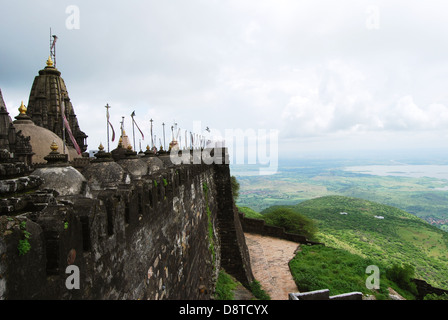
x=54, y=147
x=22, y=109
x=120, y=142
x=147, y=147
x=129, y=147
x=101, y=148
x=49, y=62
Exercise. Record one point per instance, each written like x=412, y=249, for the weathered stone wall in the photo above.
x=163, y=236
x=259, y=226
x=424, y=288
x=235, y=254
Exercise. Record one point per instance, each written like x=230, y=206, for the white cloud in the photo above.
x=310, y=69
x=407, y=115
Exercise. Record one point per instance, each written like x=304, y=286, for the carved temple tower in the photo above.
x=48, y=94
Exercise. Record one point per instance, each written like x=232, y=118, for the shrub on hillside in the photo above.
x=250, y=213
x=291, y=221
x=235, y=188
x=402, y=276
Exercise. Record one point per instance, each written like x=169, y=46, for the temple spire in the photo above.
x=48, y=99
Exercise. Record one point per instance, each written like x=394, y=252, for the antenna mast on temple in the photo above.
x=53, y=39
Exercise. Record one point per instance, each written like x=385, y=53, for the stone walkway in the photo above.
x=269, y=260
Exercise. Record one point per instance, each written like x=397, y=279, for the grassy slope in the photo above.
x=321, y=267
x=398, y=238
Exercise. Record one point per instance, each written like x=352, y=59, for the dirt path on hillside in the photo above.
x=269, y=260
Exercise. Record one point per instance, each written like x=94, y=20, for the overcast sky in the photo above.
x=329, y=76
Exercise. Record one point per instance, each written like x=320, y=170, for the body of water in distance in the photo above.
x=403, y=170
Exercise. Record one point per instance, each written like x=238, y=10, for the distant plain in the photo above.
x=418, y=188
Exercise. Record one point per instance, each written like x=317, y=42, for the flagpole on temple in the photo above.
x=152, y=139
x=133, y=132
x=63, y=126
x=107, y=117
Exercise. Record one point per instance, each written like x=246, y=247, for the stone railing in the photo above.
x=324, y=294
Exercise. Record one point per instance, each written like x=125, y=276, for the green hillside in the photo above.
x=301, y=180
x=380, y=232
x=320, y=267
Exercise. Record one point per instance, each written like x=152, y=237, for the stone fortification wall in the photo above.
x=424, y=288
x=163, y=235
x=235, y=254
x=259, y=226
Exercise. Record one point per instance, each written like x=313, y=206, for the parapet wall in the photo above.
x=259, y=226
x=162, y=236
x=424, y=288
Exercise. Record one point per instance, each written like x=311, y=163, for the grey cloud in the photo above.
x=309, y=69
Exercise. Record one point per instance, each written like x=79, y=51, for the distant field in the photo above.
x=425, y=197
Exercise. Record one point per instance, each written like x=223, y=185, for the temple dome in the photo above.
x=153, y=161
x=101, y=175
x=133, y=164
x=104, y=172
x=66, y=180
x=60, y=176
x=40, y=138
